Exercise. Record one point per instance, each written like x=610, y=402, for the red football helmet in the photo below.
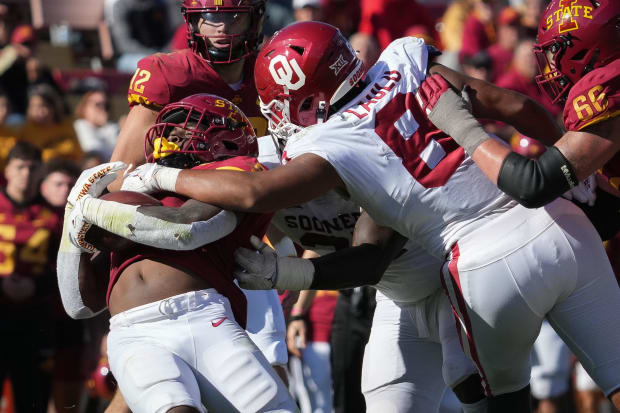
x=235, y=46
x=575, y=37
x=300, y=72
x=200, y=128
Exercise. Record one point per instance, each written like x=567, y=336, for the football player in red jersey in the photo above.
x=578, y=53
x=29, y=233
x=222, y=38
x=176, y=339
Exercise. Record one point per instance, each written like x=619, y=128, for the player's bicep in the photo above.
x=130, y=145
x=487, y=100
x=592, y=147
x=367, y=231
x=300, y=180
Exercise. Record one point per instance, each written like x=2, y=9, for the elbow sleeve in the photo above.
x=534, y=183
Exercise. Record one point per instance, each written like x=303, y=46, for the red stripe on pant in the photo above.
x=461, y=316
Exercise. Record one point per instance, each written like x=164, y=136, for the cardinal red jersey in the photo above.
x=214, y=262
x=321, y=315
x=596, y=98
x=29, y=238
x=165, y=78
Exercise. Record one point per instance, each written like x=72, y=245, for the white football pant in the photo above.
x=189, y=350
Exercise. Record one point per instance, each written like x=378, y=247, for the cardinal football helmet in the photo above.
x=303, y=70
x=575, y=37
x=224, y=11
x=200, y=128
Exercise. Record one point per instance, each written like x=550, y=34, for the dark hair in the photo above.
x=479, y=60
x=25, y=151
x=49, y=96
x=64, y=166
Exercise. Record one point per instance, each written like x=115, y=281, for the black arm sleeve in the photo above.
x=355, y=266
x=534, y=183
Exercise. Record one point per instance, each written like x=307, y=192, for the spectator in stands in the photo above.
x=521, y=73
x=479, y=30
x=14, y=53
x=451, y=32
x=478, y=66
x=59, y=176
x=531, y=11
x=7, y=116
x=47, y=127
x=366, y=47
x=388, y=20
x=139, y=28
x=31, y=233
x=307, y=338
x=344, y=14
x=307, y=10
x=92, y=125
x=71, y=364
x=92, y=159
x=508, y=33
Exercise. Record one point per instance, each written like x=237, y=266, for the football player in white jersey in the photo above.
x=374, y=142
x=413, y=341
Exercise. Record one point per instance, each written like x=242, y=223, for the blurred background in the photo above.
x=65, y=66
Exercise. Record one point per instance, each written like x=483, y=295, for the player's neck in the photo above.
x=231, y=73
x=19, y=196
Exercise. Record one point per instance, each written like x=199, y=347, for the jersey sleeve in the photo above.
x=594, y=98
x=408, y=51
x=149, y=85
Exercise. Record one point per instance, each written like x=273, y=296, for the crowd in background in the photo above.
x=74, y=122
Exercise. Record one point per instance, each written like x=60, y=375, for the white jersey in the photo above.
x=395, y=163
x=326, y=224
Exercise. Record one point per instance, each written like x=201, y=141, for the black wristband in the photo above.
x=534, y=183
x=297, y=317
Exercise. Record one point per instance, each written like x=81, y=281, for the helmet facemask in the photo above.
x=278, y=115
x=550, y=79
x=233, y=47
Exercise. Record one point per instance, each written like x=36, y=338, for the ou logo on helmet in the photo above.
x=283, y=71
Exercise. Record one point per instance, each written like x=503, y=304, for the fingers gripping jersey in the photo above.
x=164, y=78
x=213, y=262
x=596, y=98
x=395, y=164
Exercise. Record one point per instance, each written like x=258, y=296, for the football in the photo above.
x=106, y=241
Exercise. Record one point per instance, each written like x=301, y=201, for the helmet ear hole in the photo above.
x=231, y=146
x=580, y=55
x=306, y=104
x=300, y=50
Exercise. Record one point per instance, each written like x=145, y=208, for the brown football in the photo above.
x=106, y=241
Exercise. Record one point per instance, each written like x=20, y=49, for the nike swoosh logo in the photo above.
x=219, y=322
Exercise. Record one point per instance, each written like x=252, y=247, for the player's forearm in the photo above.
x=130, y=144
x=162, y=227
x=227, y=189
x=492, y=102
x=242, y=191
x=354, y=267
